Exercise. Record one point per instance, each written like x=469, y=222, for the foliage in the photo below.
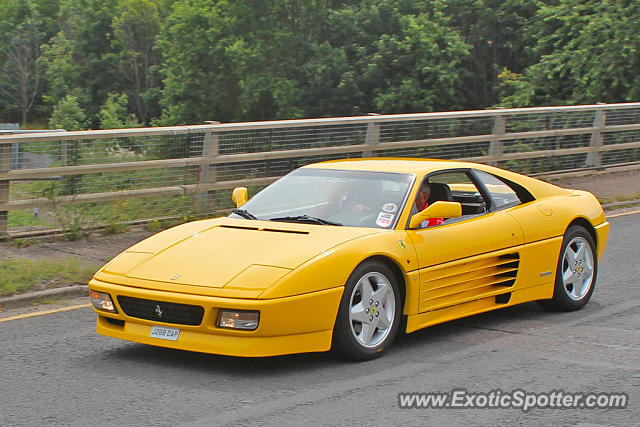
x=20, y=74
x=586, y=52
x=113, y=114
x=420, y=65
x=401, y=57
x=61, y=71
x=135, y=28
x=20, y=274
x=188, y=61
x=68, y=115
x=497, y=32
x=74, y=221
x=87, y=25
x=23, y=242
x=194, y=42
x=115, y=228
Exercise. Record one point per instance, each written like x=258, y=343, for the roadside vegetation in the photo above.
x=621, y=198
x=78, y=64
x=20, y=274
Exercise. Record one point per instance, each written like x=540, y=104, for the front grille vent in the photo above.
x=273, y=230
x=161, y=311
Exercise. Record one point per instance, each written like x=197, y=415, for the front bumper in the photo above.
x=602, y=236
x=297, y=324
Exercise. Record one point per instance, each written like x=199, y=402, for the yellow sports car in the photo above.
x=342, y=254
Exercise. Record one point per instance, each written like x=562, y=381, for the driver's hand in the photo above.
x=361, y=208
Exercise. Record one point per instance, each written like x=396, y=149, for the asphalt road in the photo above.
x=56, y=370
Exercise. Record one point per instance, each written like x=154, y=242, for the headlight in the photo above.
x=239, y=319
x=102, y=301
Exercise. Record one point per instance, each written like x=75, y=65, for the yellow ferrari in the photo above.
x=343, y=254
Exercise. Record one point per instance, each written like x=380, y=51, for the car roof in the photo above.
x=422, y=167
x=392, y=164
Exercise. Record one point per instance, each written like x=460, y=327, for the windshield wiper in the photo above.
x=305, y=218
x=244, y=214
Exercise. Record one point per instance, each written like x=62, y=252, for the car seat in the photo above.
x=439, y=192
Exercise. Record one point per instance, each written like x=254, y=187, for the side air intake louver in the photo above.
x=512, y=261
x=463, y=282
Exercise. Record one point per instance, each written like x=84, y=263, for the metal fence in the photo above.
x=80, y=179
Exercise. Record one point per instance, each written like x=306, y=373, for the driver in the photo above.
x=359, y=196
x=422, y=204
x=346, y=196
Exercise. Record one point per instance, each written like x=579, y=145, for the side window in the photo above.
x=457, y=186
x=501, y=194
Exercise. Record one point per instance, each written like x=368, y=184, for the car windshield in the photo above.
x=332, y=197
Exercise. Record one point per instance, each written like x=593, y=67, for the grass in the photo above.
x=620, y=198
x=26, y=218
x=81, y=217
x=20, y=274
x=51, y=301
x=36, y=124
x=23, y=243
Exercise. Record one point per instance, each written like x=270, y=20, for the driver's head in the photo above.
x=423, y=195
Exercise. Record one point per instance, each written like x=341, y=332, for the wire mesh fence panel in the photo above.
x=616, y=139
x=443, y=151
x=627, y=116
x=76, y=180
x=291, y=138
x=435, y=128
x=550, y=121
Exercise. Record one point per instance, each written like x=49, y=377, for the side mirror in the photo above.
x=240, y=196
x=437, y=210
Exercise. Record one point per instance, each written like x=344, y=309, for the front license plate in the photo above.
x=165, y=333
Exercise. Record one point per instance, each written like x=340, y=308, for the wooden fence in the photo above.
x=586, y=134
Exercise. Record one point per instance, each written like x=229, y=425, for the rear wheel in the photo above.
x=369, y=312
x=576, y=272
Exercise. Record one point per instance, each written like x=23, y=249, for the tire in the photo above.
x=369, y=314
x=576, y=272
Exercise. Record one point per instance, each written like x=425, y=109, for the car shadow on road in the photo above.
x=522, y=318
x=207, y=362
x=436, y=340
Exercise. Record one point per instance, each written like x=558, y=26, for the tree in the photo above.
x=418, y=68
x=199, y=83
x=256, y=60
x=240, y=60
x=135, y=29
x=187, y=61
x=20, y=74
x=114, y=113
x=587, y=52
x=68, y=115
x=62, y=71
x=401, y=56
x=497, y=33
x=86, y=25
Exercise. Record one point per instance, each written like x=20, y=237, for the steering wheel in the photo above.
x=363, y=222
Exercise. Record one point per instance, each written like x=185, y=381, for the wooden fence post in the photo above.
x=496, y=146
x=594, y=158
x=372, y=136
x=5, y=165
x=210, y=150
x=63, y=153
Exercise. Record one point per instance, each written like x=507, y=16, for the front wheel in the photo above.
x=369, y=312
x=576, y=272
